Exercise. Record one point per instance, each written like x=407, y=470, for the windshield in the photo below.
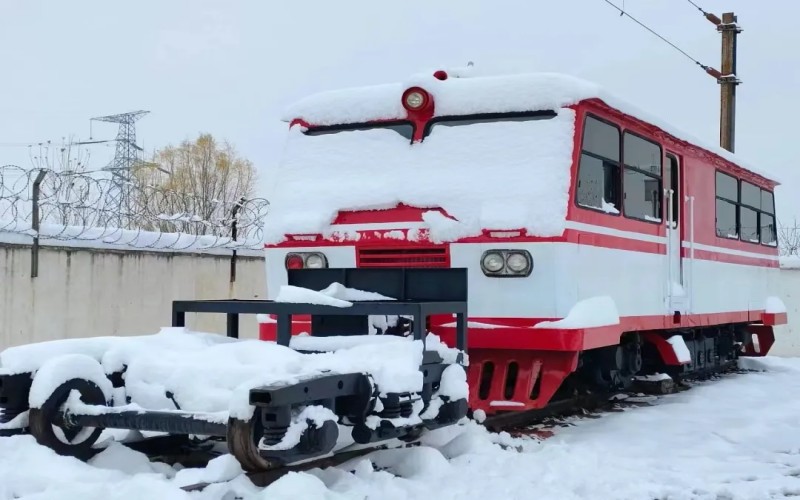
x=460, y=121
x=405, y=129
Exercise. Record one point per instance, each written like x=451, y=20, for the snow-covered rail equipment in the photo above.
x=601, y=244
x=273, y=404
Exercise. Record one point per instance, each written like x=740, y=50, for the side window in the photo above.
x=745, y=211
x=727, y=202
x=598, y=172
x=750, y=199
x=767, y=223
x=642, y=181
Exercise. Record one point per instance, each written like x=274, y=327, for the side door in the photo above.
x=677, y=292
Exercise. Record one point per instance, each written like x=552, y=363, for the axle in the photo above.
x=155, y=421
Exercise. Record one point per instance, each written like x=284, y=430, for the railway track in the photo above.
x=538, y=424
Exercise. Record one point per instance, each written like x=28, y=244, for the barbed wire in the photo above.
x=87, y=206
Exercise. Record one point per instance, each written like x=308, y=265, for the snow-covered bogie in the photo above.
x=337, y=393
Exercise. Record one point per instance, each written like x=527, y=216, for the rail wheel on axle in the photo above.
x=49, y=425
x=243, y=439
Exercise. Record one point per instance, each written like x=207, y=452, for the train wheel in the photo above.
x=52, y=431
x=243, y=438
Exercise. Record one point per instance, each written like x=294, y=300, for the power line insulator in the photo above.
x=714, y=19
x=711, y=71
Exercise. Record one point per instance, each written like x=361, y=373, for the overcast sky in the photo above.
x=229, y=68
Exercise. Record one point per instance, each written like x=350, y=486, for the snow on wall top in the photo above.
x=790, y=262
x=19, y=232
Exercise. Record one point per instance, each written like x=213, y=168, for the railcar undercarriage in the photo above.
x=640, y=364
x=288, y=423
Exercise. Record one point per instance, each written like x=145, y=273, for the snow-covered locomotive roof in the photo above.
x=495, y=176
x=453, y=96
x=462, y=94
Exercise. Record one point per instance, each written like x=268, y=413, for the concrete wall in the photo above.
x=787, y=338
x=87, y=292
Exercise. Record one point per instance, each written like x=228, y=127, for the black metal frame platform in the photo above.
x=419, y=292
x=285, y=310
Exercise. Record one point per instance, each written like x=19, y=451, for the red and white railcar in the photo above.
x=598, y=240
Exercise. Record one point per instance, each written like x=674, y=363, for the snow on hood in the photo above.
x=499, y=175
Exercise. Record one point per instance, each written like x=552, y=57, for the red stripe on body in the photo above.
x=520, y=334
x=576, y=236
x=728, y=258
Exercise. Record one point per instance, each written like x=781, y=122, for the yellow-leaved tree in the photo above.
x=195, y=186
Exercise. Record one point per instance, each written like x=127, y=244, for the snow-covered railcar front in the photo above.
x=600, y=243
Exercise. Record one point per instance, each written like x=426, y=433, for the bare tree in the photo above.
x=789, y=239
x=68, y=199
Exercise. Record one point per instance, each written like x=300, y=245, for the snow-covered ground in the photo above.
x=734, y=438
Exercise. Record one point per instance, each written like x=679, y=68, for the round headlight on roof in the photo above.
x=415, y=99
x=493, y=262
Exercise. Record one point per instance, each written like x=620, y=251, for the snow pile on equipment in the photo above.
x=272, y=405
x=588, y=313
x=336, y=295
x=205, y=372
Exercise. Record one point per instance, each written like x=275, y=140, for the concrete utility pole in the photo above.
x=728, y=80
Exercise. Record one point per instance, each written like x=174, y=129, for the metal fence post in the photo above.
x=35, y=223
x=234, y=234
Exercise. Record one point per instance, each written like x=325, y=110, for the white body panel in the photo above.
x=536, y=296
x=565, y=273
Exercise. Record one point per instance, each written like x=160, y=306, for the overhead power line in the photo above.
x=707, y=69
x=711, y=17
x=697, y=7
x=23, y=144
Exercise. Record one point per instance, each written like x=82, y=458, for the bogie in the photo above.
x=279, y=423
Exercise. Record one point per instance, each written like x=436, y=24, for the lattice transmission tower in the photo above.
x=126, y=159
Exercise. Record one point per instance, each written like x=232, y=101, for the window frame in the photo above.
x=772, y=214
x=617, y=163
x=546, y=114
x=757, y=211
x=735, y=204
x=677, y=180
x=660, y=177
x=738, y=204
